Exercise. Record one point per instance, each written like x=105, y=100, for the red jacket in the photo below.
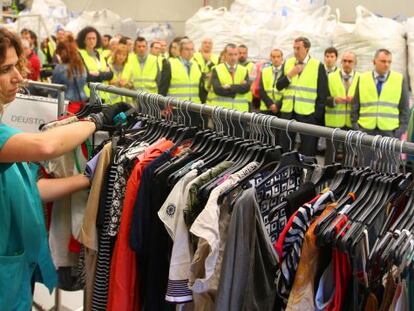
x=34, y=67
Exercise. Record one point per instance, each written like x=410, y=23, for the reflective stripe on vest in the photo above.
x=94, y=64
x=145, y=78
x=380, y=112
x=268, y=79
x=183, y=86
x=239, y=102
x=301, y=94
x=340, y=115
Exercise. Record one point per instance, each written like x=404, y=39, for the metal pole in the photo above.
x=61, y=103
x=44, y=85
x=246, y=117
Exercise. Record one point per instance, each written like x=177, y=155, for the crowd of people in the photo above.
x=328, y=92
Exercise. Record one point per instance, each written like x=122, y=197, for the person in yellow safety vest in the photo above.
x=381, y=101
x=122, y=72
x=271, y=97
x=105, y=50
x=97, y=68
x=342, y=85
x=305, y=87
x=146, y=70
x=205, y=57
x=330, y=59
x=230, y=82
x=182, y=78
x=164, y=48
x=155, y=49
x=244, y=61
x=173, y=48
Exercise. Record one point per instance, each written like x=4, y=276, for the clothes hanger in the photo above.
x=94, y=105
x=288, y=159
x=329, y=170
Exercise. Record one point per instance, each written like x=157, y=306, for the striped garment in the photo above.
x=291, y=242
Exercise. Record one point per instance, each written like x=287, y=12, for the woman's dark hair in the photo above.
x=175, y=40
x=80, y=39
x=32, y=35
x=68, y=53
x=7, y=40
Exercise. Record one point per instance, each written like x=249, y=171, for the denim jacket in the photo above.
x=60, y=76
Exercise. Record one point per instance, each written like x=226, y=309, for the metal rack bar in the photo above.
x=60, y=88
x=294, y=126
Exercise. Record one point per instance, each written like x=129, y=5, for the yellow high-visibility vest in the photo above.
x=239, y=102
x=94, y=64
x=268, y=79
x=380, y=111
x=184, y=86
x=145, y=78
x=340, y=115
x=301, y=93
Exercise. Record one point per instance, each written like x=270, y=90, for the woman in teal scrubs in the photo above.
x=24, y=251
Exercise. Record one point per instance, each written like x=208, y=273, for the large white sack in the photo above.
x=368, y=34
x=105, y=21
x=217, y=24
x=271, y=5
x=156, y=31
x=129, y=28
x=54, y=13
x=410, y=44
x=312, y=26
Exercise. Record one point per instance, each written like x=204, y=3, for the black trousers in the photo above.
x=308, y=143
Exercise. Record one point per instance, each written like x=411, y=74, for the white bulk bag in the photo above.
x=368, y=34
x=217, y=24
x=105, y=21
x=410, y=44
x=313, y=26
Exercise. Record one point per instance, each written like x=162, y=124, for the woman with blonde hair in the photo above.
x=122, y=72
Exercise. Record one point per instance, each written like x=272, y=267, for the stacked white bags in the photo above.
x=368, y=34
x=410, y=43
x=262, y=25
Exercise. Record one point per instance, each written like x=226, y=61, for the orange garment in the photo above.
x=123, y=291
x=302, y=294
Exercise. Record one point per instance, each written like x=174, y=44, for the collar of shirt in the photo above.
x=330, y=70
x=142, y=59
x=185, y=62
x=229, y=67
x=376, y=75
x=305, y=61
x=276, y=68
x=351, y=75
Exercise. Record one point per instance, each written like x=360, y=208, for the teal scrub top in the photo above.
x=24, y=249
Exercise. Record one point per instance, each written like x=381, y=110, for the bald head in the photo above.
x=348, y=61
x=207, y=45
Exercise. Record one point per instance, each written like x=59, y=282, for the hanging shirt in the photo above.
x=171, y=214
x=249, y=257
x=123, y=290
x=24, y=251
x=206, y=227
x=303, y=290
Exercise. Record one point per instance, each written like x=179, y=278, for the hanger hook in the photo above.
x=333, y=144
x=233, y=130
x=240, y=123
x=287, y=133
x=401, y=154
x=362, y=156
x=202, y=117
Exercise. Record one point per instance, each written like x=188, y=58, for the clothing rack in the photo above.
x=59, y=88
x=288, y=125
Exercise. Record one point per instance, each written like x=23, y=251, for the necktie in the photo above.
x=188, y=67
x=347, y=82
x=380, y=82
x=231, y=70
x=276, y=74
